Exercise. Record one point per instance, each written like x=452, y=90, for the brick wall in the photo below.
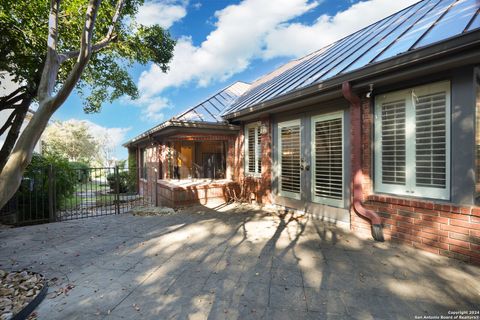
x=440, y=228
x=257, y=189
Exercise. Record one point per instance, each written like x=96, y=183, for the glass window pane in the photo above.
x=397, y=20
x=475, y=24
x=452, y=23
x=405, y=42
x=421, y=8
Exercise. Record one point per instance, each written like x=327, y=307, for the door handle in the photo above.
x=304, y=165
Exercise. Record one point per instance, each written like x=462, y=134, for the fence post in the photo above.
x=156, y=187
x=117, y=190
x=51, y=195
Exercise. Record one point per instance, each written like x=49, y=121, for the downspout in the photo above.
x=356, y=150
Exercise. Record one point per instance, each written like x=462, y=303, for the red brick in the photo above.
x=427, y=235
x=454, y=229
x=435, y=219
x=476, y=212
x=427, y=212
x=426, y=223
x=433, y=243
x=401, y=229
x=408, y=225
x=459, y=243
x=456, y=216
x=435, y=231
x=474, y=219
x=425, y=247
x=402, y=218
x=403, y=236
x=466, y=252
x=459, y=236
x=464, y=224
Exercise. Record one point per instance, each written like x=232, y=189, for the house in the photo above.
x=377, y=132
x=7, y=86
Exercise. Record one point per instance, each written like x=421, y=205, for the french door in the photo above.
x=310, y=159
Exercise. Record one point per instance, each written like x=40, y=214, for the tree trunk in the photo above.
x=18, y=114
x=11, y=175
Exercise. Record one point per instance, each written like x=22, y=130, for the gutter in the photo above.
x=356, y=151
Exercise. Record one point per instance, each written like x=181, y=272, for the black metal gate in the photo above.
x=50, y=195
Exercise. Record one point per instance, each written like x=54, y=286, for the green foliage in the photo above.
x=35, y=184
x=23, y=35
x=125, y=182
x=82, y=171
x=73, y=141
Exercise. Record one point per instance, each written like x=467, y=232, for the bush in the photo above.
x=82, y=171
x=33, y=192
x=123, y=182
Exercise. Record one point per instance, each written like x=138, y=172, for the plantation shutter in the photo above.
x=251, y=149
x=393, y=142
x=289, y=148
x=412, y=141
x=430, y=147
x=328, y=159
x=259, y=151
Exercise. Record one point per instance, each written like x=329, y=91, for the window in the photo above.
x=412, y=142
x=143, y=163
x=327, y=159
x=289, y=151
x=253, y=149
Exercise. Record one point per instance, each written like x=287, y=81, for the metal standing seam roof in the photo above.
x=211, y=109
x=207, y=112
x=422, y=24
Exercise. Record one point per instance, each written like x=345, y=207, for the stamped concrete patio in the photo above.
x=235, y=264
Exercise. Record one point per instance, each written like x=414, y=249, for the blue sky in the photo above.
x=220, y=42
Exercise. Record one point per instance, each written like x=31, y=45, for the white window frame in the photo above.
x=322, y=200
x=409, y=189
x=281, y=125
x=256, y=173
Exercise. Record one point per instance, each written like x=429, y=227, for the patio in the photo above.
x=237, y=263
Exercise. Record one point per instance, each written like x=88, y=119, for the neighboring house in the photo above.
x=377, y=132
x=8, y=86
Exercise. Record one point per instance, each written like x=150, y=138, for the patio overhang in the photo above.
x=173, y=128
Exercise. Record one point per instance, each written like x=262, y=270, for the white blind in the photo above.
x=328, y=164
x=290, y=158
x=393, y=142
x=259, y=151
x=251, y=149
x=430, y=146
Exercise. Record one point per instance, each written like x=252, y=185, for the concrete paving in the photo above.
x=236, y=264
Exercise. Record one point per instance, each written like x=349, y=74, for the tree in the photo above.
x=73, y=141
x=53, y=48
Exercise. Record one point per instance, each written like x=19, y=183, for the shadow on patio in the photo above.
x=238, y=263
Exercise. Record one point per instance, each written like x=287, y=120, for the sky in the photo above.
x=220, y=42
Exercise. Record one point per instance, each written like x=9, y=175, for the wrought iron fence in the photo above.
x=50, y=194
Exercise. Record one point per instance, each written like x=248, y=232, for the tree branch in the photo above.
x=83, y=57
x=95, y=48
x=50, y=69
x=109, y=38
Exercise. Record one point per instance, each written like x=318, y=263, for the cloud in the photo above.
x=164, y=13
x=256, y=29
x=298, y=39
x=237, y=39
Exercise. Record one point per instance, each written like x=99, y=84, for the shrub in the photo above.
x=82, y=171
x=33, y=192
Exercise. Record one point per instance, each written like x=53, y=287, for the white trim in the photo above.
x=279, y=157
x=410, y=189
x=257, y=156
x=319, y=118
